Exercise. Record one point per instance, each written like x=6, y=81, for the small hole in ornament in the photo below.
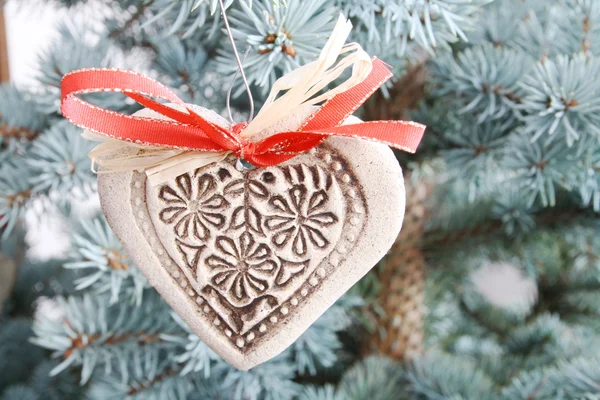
x=268, y=177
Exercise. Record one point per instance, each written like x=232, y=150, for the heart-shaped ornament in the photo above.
x=250, y=258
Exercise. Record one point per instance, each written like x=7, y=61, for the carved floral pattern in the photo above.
x=193, y=206
x=243, y=268
x=249, y=236
x=301, y=219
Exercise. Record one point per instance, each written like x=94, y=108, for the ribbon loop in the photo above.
x=171, y=133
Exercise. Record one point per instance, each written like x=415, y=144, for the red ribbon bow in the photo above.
x=190, y=131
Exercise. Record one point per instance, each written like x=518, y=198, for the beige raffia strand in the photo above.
x=160, y=164
x=403, y=278
x=301, y=87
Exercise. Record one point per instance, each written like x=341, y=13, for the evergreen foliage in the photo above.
x=512, y=104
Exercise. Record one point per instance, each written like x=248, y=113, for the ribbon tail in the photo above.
x=402, y=135
x=335, y=111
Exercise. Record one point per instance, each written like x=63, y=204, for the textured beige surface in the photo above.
x=250, y=259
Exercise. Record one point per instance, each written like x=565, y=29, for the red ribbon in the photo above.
x=188, y=130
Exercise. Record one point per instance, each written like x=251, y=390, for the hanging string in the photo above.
x=238, y=61
x=237, y=72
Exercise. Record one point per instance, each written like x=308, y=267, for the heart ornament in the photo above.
x=249, y=259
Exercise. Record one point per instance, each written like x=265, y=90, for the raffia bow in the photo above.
x=183, y=140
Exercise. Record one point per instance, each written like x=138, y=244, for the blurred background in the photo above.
x=491, y=291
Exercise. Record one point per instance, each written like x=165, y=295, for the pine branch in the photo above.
x=487, y=231
x=481, y=320
x=82, y=341
x=143, y=386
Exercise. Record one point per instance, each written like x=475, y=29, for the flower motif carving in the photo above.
x=192, y=206
x=250, y=236
x=300, y=220
x=244, y=269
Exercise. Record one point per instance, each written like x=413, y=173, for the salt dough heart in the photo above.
x=249, y=259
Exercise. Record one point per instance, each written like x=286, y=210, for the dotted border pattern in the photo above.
x=351, y=231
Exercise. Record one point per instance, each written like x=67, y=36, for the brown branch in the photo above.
x=481, y=320
x=117, y=260
x=4, y=71
x=18, y=198
x=185, y=76
x=81, y=341
x=16, y=132
x=441, y=239
x=148, y=384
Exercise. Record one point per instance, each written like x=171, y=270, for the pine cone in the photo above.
x=403, y=277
